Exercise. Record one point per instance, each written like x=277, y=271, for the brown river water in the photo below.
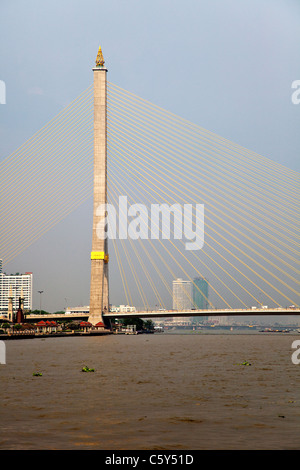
x=161, y=391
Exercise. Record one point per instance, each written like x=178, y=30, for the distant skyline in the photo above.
x=225, y=65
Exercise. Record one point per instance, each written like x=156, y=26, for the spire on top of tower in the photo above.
x=99, y=59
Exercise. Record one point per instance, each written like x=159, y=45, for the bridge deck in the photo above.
x=171, y=313
x=206, y=313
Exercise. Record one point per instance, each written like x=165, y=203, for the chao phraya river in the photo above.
x=161, y=391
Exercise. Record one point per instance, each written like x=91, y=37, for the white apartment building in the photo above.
x=15, y=285
x=182, y=294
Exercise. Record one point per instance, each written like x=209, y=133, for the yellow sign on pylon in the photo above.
x=97, y=255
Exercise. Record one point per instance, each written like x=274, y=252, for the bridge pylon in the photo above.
x=99, y=287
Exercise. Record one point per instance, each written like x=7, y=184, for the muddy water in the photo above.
x=151, y=392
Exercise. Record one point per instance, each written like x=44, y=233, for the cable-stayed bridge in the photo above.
x=219, y=312
x=250, y=254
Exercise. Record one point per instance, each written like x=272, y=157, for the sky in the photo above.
x=226, y=65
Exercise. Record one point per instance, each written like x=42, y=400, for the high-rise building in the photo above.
x=15, y=285
x=200, y=293
x=182, y=294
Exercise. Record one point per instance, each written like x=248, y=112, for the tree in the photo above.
x=140, y=324
x=37, y=312
x=133, y=321
x=149, y=325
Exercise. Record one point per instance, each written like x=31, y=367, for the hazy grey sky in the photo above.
x=226, y=65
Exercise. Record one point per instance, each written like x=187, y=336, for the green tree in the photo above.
x=138, y=322
x=37, y=312
x=149, y=325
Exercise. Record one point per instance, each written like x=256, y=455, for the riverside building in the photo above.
x=15, y=285
x=182, y=294
x=200, y=293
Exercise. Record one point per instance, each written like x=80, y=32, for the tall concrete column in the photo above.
x=99, y=290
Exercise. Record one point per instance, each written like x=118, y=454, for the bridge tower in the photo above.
x=99, y=288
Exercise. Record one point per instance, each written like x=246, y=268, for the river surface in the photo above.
x=161, y=391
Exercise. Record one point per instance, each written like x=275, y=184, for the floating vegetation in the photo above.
x=87, y=369
x=245, y=363
x=37, y=374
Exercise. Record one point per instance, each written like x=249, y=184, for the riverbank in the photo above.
x=27, y=334
x=21, y=335
x=235, y=330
